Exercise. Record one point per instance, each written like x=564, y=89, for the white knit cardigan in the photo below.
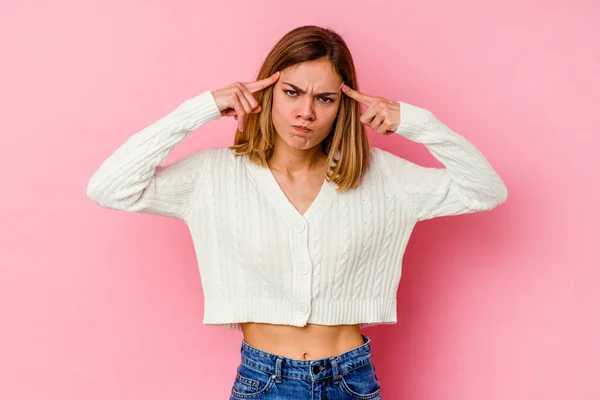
x=260, y=259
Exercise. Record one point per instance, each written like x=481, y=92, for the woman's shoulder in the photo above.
x=380, y=157
x=221, y=157
x=378, y=153
x=212, y=152
x=202, y=159
x=388, y=164
x=377, y=168
x=385, y=158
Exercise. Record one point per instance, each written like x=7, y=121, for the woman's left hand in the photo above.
x=382, y=115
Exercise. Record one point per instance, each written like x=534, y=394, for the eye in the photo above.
x=325, y=100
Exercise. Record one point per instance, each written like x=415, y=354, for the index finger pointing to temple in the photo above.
x=358, y=96
x=263, y=83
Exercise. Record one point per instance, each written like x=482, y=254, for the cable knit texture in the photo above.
x=260, y=259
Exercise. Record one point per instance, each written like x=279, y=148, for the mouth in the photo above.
x=302, y=129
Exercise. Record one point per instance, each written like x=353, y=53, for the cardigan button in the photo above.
x=302, y=308
x=299, y=227
x=303, y=268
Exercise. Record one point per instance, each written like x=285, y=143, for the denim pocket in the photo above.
x=251, y=383
x=361, y=383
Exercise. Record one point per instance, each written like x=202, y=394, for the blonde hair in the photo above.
x=347, y=145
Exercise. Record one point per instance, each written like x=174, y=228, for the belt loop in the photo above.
x=278, y=376
x=335, y=369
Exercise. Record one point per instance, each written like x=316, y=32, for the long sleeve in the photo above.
x=467, y=184
x=133, y=180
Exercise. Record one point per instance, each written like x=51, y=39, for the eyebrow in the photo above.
x=296, y=88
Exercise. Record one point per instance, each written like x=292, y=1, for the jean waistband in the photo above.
x=279, y=366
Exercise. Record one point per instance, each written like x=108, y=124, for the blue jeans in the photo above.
x=350, y=375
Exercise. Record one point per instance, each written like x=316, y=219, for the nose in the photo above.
x=306, y=110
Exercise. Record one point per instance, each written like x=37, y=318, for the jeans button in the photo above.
x=315, y=369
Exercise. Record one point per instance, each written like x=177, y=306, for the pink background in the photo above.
x=97, y=304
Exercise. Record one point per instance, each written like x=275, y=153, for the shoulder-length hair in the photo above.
x=347, y=145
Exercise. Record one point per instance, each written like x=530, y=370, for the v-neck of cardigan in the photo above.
x=269, y=184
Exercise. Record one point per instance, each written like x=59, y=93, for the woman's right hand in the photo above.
x=237, y=100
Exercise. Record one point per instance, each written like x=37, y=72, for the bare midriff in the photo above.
x=309, y=342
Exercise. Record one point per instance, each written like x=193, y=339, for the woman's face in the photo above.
x=306, y=94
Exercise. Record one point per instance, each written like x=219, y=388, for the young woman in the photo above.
x=299, y=227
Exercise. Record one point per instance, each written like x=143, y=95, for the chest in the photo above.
x=301, y=192
x=250, y=226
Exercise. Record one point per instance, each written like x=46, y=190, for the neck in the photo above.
x=291, y=161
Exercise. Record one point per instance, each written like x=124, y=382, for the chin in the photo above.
x=301, y=142
x=295, y=144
